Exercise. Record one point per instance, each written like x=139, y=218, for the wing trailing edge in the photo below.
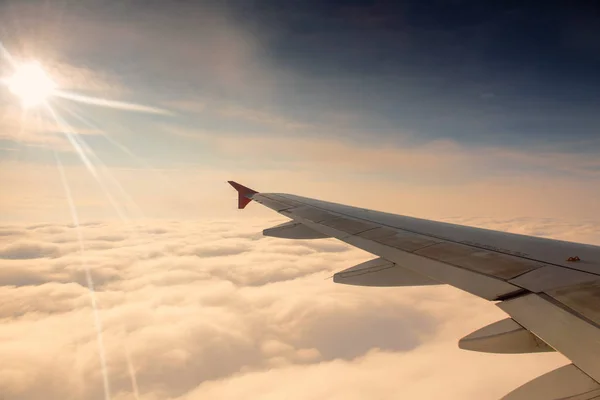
x=567, y=382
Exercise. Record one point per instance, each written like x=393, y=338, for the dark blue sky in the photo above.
x=476, y=70
x=514, y=74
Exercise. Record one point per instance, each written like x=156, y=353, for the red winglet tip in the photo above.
x=243, y=202
x=244, y=194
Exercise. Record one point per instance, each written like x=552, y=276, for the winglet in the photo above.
x=244, y=194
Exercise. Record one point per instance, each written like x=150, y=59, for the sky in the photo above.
x=491, y=107
x=114, y=202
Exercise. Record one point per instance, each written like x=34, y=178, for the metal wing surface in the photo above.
x=550, y=289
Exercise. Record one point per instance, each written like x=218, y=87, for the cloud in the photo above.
x=428, y=374
x=111, y=238
x=240, y=318
x=218, y=251
x=327, y=247
x=28, y=250
x=435, y=160
x=11, y=231
x=232, y=111
x=263, y=118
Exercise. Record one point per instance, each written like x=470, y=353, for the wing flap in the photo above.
x=566, y=382
x=551, y=277
x=563, y=330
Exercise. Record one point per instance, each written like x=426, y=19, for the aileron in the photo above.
x=583, y=298
x=564, y=383
x=551, y=277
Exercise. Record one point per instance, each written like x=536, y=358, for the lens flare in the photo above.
x=31, y=84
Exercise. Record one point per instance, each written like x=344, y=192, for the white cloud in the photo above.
x=245, y=317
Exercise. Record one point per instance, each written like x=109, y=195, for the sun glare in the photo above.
x=31, y=84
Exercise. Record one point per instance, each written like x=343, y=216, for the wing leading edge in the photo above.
x=549, y=288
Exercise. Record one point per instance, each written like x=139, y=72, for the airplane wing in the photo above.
x=550, y=289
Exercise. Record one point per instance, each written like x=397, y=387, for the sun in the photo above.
x=31, y=84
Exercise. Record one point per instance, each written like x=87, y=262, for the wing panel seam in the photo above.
x=346, y=236
x=453, y=241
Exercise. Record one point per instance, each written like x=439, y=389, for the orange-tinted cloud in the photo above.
x=259, y=323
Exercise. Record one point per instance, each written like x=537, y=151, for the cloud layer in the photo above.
x=201, y=310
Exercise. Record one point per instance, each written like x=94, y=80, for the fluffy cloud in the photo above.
x=200, y=310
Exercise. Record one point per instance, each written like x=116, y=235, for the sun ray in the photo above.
x=88, y=277
x=6, y=55
x=83, y=155
x=156, y=173
x=119, y=105
x=94, y=161
x=100, y=172
x=108, y=137
x=19, y=135
x=132, y=373
x=103, y=170
x=34, y=87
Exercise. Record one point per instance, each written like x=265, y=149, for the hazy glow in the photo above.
x=31, y=84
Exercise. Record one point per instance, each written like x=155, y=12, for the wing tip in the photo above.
x=244, y=194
